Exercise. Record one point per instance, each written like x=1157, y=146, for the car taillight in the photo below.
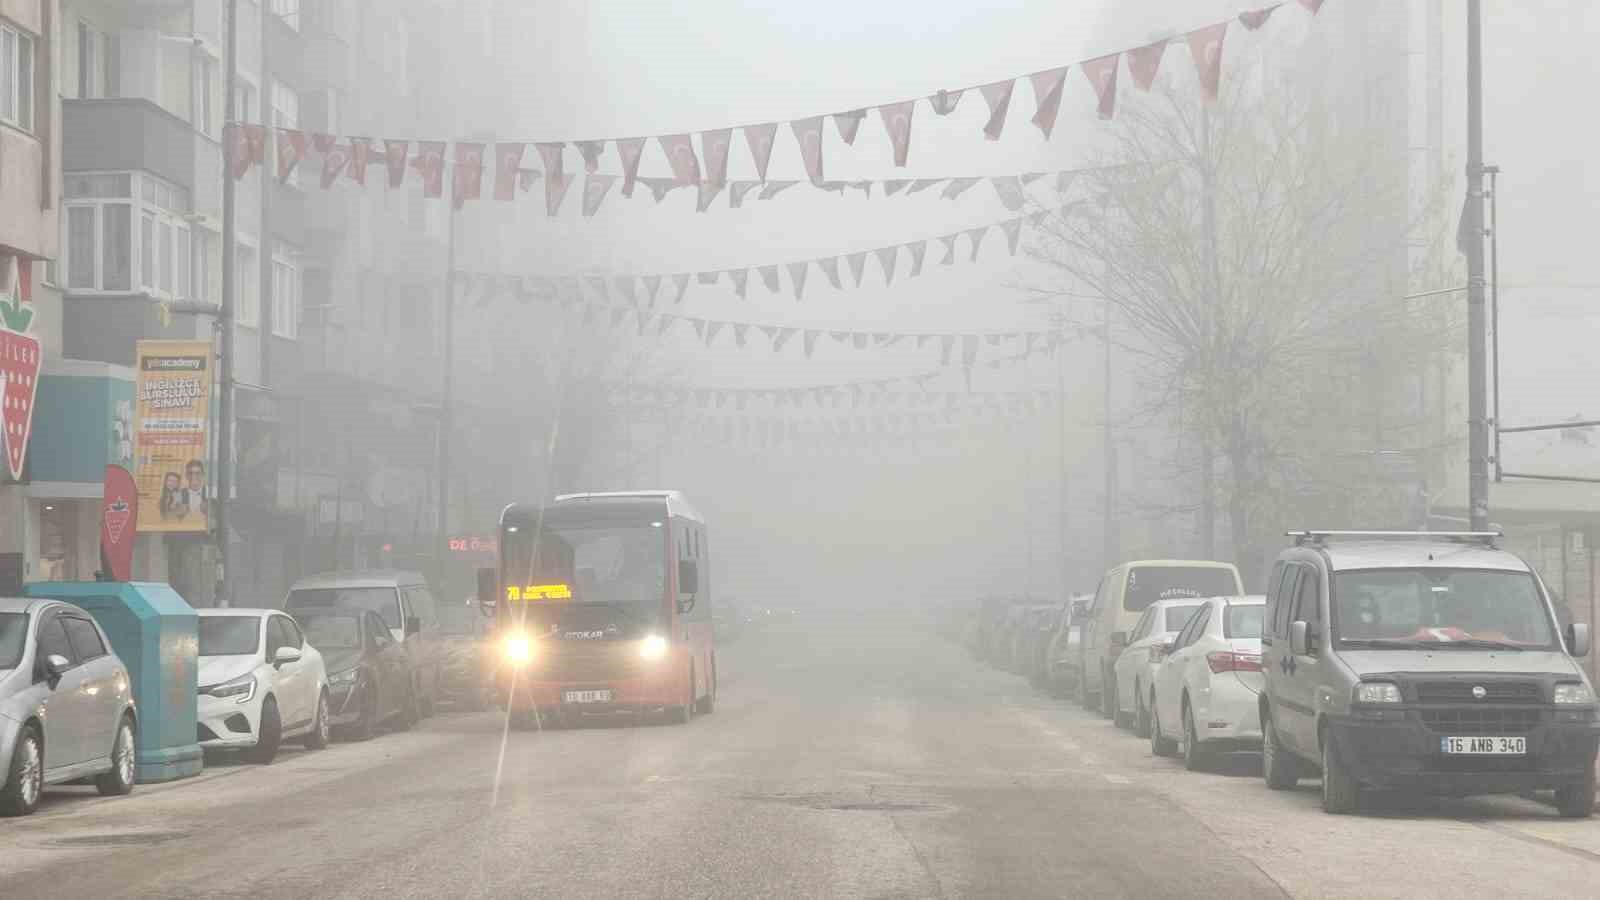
x=1228, y=661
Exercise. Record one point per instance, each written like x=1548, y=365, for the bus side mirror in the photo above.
x=688, y=583
x=1578, y=639
x=488, y=591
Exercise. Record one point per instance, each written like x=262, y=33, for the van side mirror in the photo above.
x=1297, y=639
x=488, y=591
x=1578, y=639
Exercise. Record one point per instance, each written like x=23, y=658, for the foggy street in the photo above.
x=847, y=757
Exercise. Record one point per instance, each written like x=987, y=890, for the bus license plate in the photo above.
x=587, y=696
x=1484, y=746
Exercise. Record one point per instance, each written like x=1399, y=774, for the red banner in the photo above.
x=119, y=518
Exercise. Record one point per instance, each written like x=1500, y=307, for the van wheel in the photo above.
x=25, y=781
x=1280, y=769
x=1341, y=794
x=1577, y=801
x=119, y=780
x=1159, y=746
x=269, y=734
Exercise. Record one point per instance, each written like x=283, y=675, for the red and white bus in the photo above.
x=602, y=604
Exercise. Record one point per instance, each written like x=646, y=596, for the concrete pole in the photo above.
x=224, y=464
x=1477, y=321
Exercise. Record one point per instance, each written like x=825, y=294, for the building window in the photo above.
x=285, y=299
x=201, y=244
x=97, y=63
x=247, y=309
x=288, y=11
x=102, y=243
x=16, y=78
x=244, y=97
x=147, y=251
x=285, y=106
x=204, y=78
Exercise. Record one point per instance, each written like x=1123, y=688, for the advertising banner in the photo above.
x=118, y=512
x=172, y=395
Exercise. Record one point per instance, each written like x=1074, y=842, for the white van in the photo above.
x=406, y=606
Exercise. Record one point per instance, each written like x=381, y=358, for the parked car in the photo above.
x=369, y=674
x=1123, y=595
x=260, y=684
x=465, y=677
x=1064, y=656
x=1207, y=688
x=404, y=602
x=1427, y=661
x=1135, y=669
x=54, y=656
x=1041, y=628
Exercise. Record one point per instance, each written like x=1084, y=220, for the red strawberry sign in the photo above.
x=119, y=515
x=118, y=512
x=19, y=368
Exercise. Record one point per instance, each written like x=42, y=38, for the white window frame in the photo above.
x=247, y=285
x=285, y=106
x=16, y=97
x=203, y=115
x=287, y=284
x=169, y=228
x=286, y=11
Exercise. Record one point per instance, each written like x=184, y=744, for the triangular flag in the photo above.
x=737, y=190
x=550, y=153
x=808, y=134
x=739, y=329
x=652, y=283
x=944, y=102
x=922, y=184
x=949, y=241
x=946, y=343
x=918, y=250
x=660, y=187
x=969, y=350
x=810, y=341
x=1255, y=18
x=555, y=191
x=864, y=186
x=394, y=158
x=291, y=149
x=360, y=152
x=893, y=186
x=712, y=327
x=830, y=267
x=858, y=262
x=886, y=258
x=774, y=188
x=1028, y=178
x=590, y=151
x=1102, y=75
x=1143, y=63
x=1312, y=5
x=769, y=277
x=644, y=322
x=334, y=159
x=707, y=277
x=681, y=281
x=897, y=121
x=618, y=313
x=680, y=156
x=848, y=124
x=1013, y=232
x=741, y=279
x=708, y=194
x=507, y=159
x=598, y=284
x=430, y=165
x=1047, y=97
x=630, y=150
x=1205, y=46
x=958, y=186
x=595, y=187
x=859, y=339
x=998, y=96
x=626, y=288
x=699, y=328
x=1009, y=189
x=797, y=275
x=760, y=138
x=714, y=147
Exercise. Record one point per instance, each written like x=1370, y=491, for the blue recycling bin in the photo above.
x=157, y=635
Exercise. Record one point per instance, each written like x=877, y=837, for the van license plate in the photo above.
x=1483, y=746
x=587, y=696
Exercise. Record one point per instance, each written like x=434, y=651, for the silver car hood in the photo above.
x=1541, y=662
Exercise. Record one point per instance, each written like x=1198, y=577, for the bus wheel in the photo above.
x=708, y=703
x=680, y=715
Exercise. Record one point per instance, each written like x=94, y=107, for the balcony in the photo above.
x=126, y=135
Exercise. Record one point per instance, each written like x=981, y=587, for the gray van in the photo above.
x=402, y=600
x=1428, y=661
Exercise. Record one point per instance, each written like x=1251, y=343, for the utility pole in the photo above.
x=224, y=464
x=1061, y=447
x=1494, y=302
x=1472, y=231
x=1213, y=300
x=266, y=310
x=1112, y=544
x=446, y=400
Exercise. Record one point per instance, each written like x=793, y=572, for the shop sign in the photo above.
x=172, y=399
x=119, y=522
x=473, y=544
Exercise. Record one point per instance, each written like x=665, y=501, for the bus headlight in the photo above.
x=517, y=649
x=653, y=647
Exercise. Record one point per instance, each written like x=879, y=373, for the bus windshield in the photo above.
x=622, y=566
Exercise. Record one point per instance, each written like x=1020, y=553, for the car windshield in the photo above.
x=332, y=632
x=229, y=635
x=13, y=639
x=1439, y=606
x=618, y=565
x=1147, y=584
x=382, y=600
x=1178, y=616
x=1243, y=622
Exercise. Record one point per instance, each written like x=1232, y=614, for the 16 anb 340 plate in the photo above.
x=586, y=696
x=1483, y=746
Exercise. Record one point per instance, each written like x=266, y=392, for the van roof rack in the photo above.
x=1470, y=537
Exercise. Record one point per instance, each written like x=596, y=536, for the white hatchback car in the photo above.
x=1136, y=668
x=1210, y=682
x=260, y=683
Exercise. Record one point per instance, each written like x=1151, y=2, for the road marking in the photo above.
x=1115, y=779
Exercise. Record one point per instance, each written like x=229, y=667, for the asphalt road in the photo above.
x=846, y=759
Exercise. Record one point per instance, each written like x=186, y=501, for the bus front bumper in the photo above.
x=523, y=690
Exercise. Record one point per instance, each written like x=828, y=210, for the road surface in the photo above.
x=847, y=758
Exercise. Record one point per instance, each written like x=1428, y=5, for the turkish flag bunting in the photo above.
x=595, y=187
x=1047, y=96
x=892, y=186
x=741, y=281
x=830, y=267
x=430, y=165
x=507, y=159
x=334, y=158
x=808, y=134
x=708, y=194
x=680, y=155
x=291, y=149
x=918, y=250
x=322, y=143
x=555, y=191
x=944, y=102
x=848, y=124
x=886, y=258
x=245, y=146
x=797, y=275
x=858, y=262
x=1143, y=63
x=590, y=151
x=1009, y=190
x=1252, y=19
x=998, y=96
x=360, y=152
x=769, y=277
x=760, y=139
x=977, y=238
x=897, y=120
x=1102, y=75
x=394, y=158
x=630, y=149
x=949, y=241
x=1205, y=46
x=551, y=154
x=737, y=190
x=681, y=282
x=466, y=182
x=1313, y=5
x=1013, y=232
x=714, y=145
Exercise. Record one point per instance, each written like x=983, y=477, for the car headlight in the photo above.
x=242, y=688
x=517, y=649
x=653, y=647
x=1573, y=692
x=1377, y=692
x=341, y=679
